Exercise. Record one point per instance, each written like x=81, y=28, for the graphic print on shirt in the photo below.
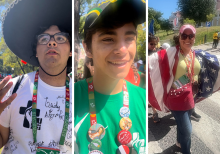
x=13, y=143
x=53, y=144
x=27, y=112
x=34, y=146
x=138, y=145
x=54, y=108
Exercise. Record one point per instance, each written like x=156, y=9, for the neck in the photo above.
x=185, y=51
x=107, y=85
x=56, y=81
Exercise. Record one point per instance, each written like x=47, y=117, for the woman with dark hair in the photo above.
x=177, y=69
x=194, y=114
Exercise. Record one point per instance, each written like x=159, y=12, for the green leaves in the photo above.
x=156, y=15
x=197, y=9
x=141, y=41
x=165, y=25
x=210, y=17
x=189, y=21
x=8, y=61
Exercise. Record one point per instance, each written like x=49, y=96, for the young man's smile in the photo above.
x=119, y=64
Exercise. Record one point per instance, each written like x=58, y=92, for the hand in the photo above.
x=3, y=90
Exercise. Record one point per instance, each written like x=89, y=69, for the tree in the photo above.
x=156, y=16
x=210, y=17
x=189, y=21
x=196, y=9
x=9, y=60
x=141, y=41
x=165, y=25
x=81, y=7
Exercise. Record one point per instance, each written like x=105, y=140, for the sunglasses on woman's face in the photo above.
x=184, y=36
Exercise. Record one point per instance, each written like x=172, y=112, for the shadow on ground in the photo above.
x=214, y=50
x=171, y=150
x=159, y=130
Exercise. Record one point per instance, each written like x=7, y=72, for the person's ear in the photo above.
x=88, y=53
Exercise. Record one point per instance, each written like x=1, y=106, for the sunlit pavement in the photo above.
x=205, y=133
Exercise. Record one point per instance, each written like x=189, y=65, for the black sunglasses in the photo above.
x=59, y=38
x=152, y=44
x=184, y=36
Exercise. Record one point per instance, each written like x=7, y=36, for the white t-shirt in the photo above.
x=50, y=117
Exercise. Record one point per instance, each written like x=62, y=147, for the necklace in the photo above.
x=34, y=108
x=97, y=131
x=50, y=74
x=188, y=60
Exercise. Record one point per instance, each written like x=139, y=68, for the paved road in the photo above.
x=205, y=133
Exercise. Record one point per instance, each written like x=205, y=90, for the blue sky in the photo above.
x=164, y=6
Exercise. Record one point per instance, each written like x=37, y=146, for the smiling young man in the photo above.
x=110, y=113
x=39, y=119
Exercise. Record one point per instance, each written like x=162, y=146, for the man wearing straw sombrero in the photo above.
x=38, y=119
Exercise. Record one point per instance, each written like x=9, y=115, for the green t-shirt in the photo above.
x=107, y=112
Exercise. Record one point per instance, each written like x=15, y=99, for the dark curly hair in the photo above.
x=151, y=37
x=176, y=39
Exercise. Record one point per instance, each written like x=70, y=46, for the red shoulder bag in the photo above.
x=181, y=99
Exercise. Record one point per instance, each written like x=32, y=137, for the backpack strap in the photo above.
x=18, y=83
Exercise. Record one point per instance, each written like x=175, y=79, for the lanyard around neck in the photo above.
x=190, y=73
x=34, y=108
x=92, y=106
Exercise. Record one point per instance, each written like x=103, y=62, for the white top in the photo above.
x=50, y=117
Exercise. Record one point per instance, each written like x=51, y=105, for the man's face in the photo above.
x=113, y=51
x=52, y=54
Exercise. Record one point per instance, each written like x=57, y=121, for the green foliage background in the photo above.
x=9, y=63
x=197, y=9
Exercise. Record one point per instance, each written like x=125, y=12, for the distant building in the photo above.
x=175, y=20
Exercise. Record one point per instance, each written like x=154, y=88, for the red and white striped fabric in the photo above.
x=160, y=77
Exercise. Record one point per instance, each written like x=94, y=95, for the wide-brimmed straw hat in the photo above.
x=23, y=20
x=119, y=10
